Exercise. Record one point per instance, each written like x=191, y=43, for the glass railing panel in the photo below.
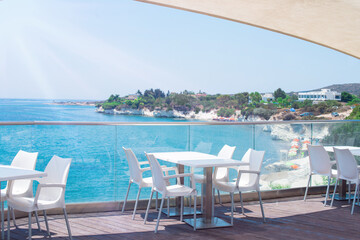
x=211, y=138
x=12, y=139
x=346, y=133
x=150, y=139
x=285, y=163
x=92, y=149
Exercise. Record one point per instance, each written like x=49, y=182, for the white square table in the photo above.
x=8, y=173
x=206, y=161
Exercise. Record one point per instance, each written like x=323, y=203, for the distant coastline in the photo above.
x=76, y=103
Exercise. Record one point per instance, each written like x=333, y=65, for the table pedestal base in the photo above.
x=175, y=212
x=340, y=198
x=202, y=224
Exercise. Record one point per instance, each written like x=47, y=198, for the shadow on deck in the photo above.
x=286, y=219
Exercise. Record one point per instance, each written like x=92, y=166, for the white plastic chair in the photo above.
x=347, y=170
x=226, y=152
x=161, y=186
x=320, y=164
x=247, y=180
x=50, y=192
x=136, y=176
x=21, y=188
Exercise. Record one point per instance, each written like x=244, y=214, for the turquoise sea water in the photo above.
x=99, y=169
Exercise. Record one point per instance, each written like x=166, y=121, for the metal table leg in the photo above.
x=208, y=220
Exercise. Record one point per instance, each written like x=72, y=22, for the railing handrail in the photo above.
x=171, y=123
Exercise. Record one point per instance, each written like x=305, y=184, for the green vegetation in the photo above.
x=355, y=114
x=226, y=105
x=279, y=186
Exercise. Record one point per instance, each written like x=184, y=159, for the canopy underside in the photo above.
x=331, y=23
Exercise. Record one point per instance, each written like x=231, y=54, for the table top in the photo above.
x=354, y=150
x=197, y=159
x=13, y=173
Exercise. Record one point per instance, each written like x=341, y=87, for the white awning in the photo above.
x=331, y=23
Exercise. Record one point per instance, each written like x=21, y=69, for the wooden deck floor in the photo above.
x=286, y=219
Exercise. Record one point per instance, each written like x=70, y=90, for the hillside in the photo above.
x=353, y=88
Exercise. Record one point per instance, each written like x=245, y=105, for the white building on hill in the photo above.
x=267, y=97
x=323, y=95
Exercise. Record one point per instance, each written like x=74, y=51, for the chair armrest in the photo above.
x=249, y=171
x=144, y=163
x=179, y=175
x=145, y=169
x=245, y=171
x=165, y=168
x=47, y=185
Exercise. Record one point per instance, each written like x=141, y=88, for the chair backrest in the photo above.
x=319, y=160
x=134, y=166
x=226, y=152
x=57, y=172
x=25, y=160
x=245, y=178
x=256, y=159
x=246, y=157
x=346, y=164
x=159, y=184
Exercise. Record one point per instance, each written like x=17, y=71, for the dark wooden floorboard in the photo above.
x=286, y=219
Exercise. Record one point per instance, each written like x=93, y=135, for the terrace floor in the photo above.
x=290, y=218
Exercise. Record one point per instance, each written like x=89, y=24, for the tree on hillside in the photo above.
x=139, y=92
x=223, y=100
x=346, y=97
x=113, y=98
x=158, y=93
x=255, y=97
x=279, y=93
x=242, y=98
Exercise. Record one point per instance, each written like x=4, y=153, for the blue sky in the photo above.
x=78, y=49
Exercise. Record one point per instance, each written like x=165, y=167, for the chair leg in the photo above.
x=37, y=220
x=13, y=217
x=148, y=207
x=349, y=189
x=126, y=196
x=67, y=223
x=46, y=223
x=181, y=208
x=156, y=202
x=242, y=204
x=232, y=208
x=195, y=198
x=29, y=216
x=8, y=223
x=136, y=203
x=159, y=215
x=261, y=206
x=356, y=190
x=219, y=197
x=307, y=187
x=327, y=191
x=333, y=196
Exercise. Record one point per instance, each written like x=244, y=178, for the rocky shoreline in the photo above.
x=205, y=116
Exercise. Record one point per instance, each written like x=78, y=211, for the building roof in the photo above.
x=333, y=24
